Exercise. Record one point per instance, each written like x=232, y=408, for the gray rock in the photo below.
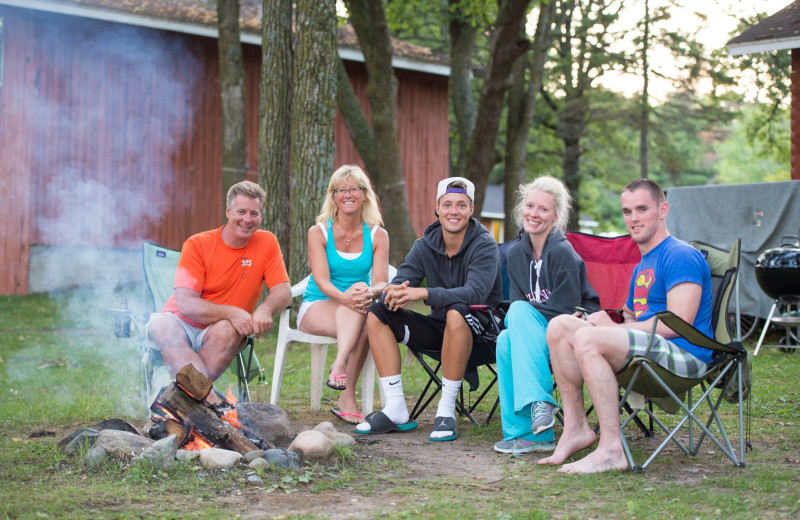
x=187, y=455
x=255, y=479
x=326, y=427
x=216, y=458
x=250, y=456
x=122, y=445
x=312, y=445
x=95, y=456
x=282, y=458
x=259, y=464
x=342, y=439
x=162, y=452
x=268, y=421
x=338, y=438
x=79, y=439
x=117, y=424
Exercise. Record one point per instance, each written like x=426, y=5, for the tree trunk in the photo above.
x=275, y=114
x=369, y=21
x=313, y=115
x=462, y=46
x=354, y=120
x=571, y=127
x=521, y=107
x=506, y=47
x=645, y=113
x=231, y=86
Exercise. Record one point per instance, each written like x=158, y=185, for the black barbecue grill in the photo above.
x=778, y=275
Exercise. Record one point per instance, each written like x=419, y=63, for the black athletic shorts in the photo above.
x=420, y=332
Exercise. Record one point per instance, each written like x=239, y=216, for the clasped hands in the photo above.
x=358, y=297
x=257, y=323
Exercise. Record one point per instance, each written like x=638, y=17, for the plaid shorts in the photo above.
x=665, y=353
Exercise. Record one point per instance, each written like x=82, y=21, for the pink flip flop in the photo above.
x=342, y=416
x=335, y=377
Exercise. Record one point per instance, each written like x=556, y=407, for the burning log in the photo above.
x=191, y=413
x=193, y=382
x=167, y=427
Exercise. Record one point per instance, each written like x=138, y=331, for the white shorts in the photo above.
x=302, y=311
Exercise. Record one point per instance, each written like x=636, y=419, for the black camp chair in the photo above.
x=482, y=355
x=160, y=264
x=729, y=373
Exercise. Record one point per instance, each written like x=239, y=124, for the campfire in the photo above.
x=180, y=408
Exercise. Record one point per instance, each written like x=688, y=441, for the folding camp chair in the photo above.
x=728, y=372
x=609, y=263
x=159, y=266
x=481, y=356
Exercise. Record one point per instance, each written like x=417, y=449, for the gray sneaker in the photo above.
x=543, y=416
x=519, y=446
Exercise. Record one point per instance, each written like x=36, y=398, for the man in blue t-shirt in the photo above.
x=672, y=275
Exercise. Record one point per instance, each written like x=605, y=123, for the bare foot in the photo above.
x=597, y=462
x=348, y=406
x=568, y=445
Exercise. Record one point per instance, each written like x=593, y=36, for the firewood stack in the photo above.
x=181, y=409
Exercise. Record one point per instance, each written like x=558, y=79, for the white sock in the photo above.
x=395, y=408
x=447, y=403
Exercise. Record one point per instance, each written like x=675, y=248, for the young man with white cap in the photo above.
x=460, y=262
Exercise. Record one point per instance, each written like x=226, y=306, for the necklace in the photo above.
x=347, y=240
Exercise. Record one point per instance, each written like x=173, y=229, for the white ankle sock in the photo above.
x=447, y=403
x=395, y=408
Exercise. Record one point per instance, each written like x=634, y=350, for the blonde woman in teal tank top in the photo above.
x=345, y=246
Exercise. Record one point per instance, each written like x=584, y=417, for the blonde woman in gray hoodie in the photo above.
x=546, y=278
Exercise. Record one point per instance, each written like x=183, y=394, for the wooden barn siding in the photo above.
x=153, y=173
x=15, y=167
x=422, y=114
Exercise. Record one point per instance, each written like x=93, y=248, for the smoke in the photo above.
x=106, y=112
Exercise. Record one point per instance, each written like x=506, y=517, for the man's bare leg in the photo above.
x=168, y=335
x=384, y=347
x=577, y=434
x=456, y=346
x=600, y=352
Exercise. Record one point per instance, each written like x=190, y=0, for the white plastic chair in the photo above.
x=319, y=351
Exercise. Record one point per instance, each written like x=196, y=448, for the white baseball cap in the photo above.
x=444, y=183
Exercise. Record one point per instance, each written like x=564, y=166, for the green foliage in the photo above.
x=756, y=149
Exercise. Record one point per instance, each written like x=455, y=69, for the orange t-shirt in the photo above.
x=225, y=275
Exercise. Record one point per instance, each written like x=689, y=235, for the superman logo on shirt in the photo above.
x=641, y=288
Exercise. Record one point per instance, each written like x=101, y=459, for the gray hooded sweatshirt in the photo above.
x=471, y=276
x=562, y=278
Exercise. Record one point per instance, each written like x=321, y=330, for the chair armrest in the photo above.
x=692, y=335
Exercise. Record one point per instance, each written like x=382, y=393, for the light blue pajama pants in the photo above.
x=523, y=368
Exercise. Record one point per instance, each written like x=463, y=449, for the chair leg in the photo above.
x=318, y=357
x=368, y=385
x=277, y=371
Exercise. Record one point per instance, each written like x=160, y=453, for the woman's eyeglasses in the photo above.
x=351, y=191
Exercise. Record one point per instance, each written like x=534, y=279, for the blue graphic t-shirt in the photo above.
x=672, y=262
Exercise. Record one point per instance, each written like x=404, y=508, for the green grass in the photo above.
x=61, y=369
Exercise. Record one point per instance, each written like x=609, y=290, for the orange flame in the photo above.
x=231, y=416
x=164, y=414
x=197, y=442
x=230, y=397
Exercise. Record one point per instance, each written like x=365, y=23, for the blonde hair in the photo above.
x=249, y=189
x=554, y=187
x=369, y=209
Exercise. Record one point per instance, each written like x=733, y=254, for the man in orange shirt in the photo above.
x=220, y=276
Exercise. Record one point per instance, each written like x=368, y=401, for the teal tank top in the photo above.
x=344, y=273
